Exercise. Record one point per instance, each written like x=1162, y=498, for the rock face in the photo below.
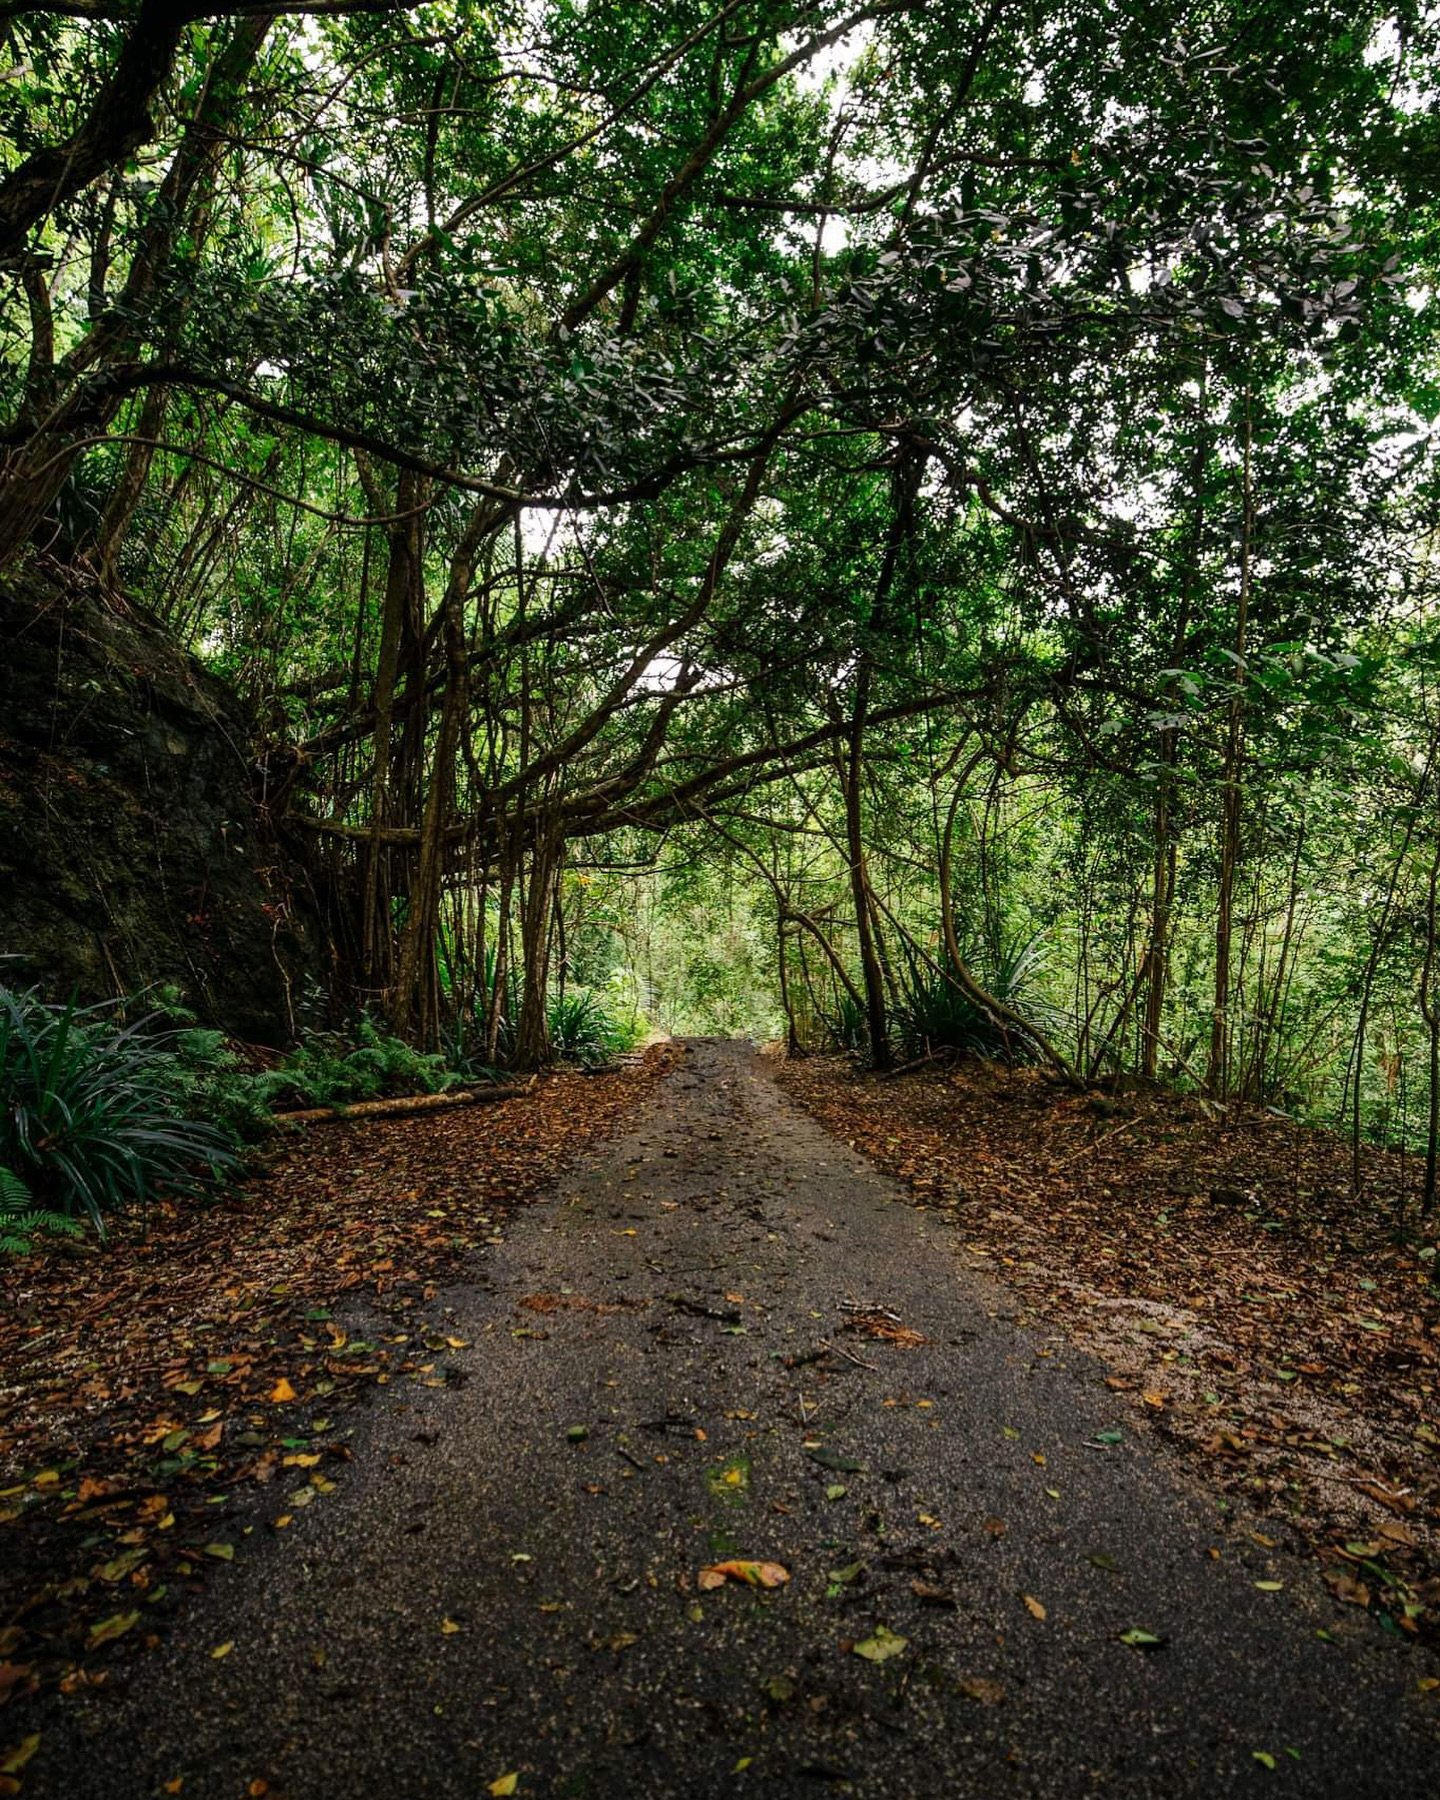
x=131, y=849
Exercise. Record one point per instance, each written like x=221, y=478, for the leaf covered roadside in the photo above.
x=1247, y=1307
x=155, y=1397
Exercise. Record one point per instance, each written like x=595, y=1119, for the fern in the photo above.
x=21, y=1222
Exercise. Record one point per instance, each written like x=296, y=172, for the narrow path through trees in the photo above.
x=670, y=1367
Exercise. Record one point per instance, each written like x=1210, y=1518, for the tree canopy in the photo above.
x=907, y=524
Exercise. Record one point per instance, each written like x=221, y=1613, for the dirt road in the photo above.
x=660, y=1377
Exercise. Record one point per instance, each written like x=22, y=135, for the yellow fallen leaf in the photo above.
x=16, y=1760
x=282, y=1391
x=301, y=1460
x=928, y=1519
x=752, y=1574
x=506, y=1784
x=448, y=1627
x=173, y=1787
x=1033, y=1606
x=223, y=1649
x=1152, y=1398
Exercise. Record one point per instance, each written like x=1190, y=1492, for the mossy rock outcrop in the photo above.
x=131, y=843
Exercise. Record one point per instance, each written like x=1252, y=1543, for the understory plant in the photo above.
x=581, y=1028
x=336, y=1069
x=90, y=1122
x=936, y=1012
x=21, y=1221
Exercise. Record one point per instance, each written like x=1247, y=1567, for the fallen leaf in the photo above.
x=505, y=1784
x=981, y=1688
x=222, y=1650
x=282, y=1391
x=750, y=1574
x=881, y=1645
x=929, y=1595
x=1033, y=1606
x=109, y=1629
x=1138, y=1639
x=1347, y=1588
x=448, y=1628
x=840, y=1579
x=15, y=1760
x=833, y=1459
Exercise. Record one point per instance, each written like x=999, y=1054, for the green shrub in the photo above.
x=90, y=1120
x=936, y=1015
x=579, y=1026
x=330, y=1069
x=846, y=1026
x=589, y=1027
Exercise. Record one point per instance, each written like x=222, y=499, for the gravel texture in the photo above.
x=682, y=1282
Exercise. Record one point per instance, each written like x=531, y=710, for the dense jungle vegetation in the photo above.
x=904, y=526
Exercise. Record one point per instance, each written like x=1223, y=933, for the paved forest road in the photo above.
x=587, y=1661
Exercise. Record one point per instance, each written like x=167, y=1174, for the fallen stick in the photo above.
x=725, y=1316
x=1095, y=1144
x=411, y=1103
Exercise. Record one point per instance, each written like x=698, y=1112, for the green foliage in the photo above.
x=336, y=1069
x=21, y=1221
x=846, y=1024
x=1161, y=364
x=586, y=1028
x=938, y=1015
x=90, y=1122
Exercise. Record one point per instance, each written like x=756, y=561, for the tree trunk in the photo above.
x=877, y=1024
x=1217, y=1073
